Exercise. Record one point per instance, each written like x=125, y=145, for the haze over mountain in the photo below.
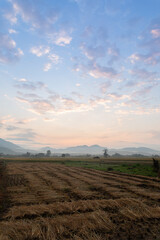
x=83, y=149
x=7, y=147
x=96, y=149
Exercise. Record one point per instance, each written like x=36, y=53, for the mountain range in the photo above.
x=98, y=150
x=7, y=147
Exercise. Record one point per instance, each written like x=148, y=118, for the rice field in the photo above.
x=45, y=201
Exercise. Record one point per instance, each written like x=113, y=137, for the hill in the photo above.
x=7, y=147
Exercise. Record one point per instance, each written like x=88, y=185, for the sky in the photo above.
x=80, y=72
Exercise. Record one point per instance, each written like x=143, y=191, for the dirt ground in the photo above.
x=50, y=201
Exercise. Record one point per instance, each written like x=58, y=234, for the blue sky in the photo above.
x=78, y=72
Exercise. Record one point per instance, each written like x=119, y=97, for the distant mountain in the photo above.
x=139, y=150
x=6, y=151
x=77, y=150
x=98, y=150
x=7, y=147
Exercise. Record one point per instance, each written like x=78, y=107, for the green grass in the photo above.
x=138, y=169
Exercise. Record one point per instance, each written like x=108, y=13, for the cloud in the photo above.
x=150, y=58
x=150, y=41
x=96, y=71
x=155, y=33
x=77, y=95
x=33, y=14
x=41, y=19
x=113, y=52
x=8, y=51
x=11, y=128
x=105, y=86
x=11, y=121
x=117, y=96
x=38, y=105
x=11, y=16
x=61, y=38
x=42, y=106
x=54, y=104
x=134, y=57
x=97, y=52
x=25, y=121
x=54, y=58
x=95, y=100
x=142, y=73
x=63, y=105
x=22, y=80
x=51, y=104
x=139, y=111
x=47, y=67
x=12, y=31
x=93, y=53
x=25, y=135
x=87, y=4
x=40, y=50
x=133, y=83
x=148, y=45
x=27, y=95
x=30, y=85
x=15, y=129
x=145, y=90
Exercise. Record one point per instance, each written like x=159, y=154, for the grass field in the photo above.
x=46, y=201
x=132, y=165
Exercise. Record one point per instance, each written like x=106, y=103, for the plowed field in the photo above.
x=48, y=201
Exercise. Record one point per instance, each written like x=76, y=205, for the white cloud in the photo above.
x=155, y=33
x=117, y=96
x=150, y=58
x=113, y=51
x=12, y=31
x=29, y=85
x=8, y=50
x=62, y=38
x=105, y=86
x=47, y=67
x=22, y=80
x=11, y=17
x=142, y=73
x=93, y=53
x=134, y=57
x=98, y=71
x=54, y=58
x=40, y=50
x=19, y=53
x=30, y=13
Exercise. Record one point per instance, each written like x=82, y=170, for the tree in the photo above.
x=28, y=154
x=155, y=165
x=105, y=154
x=48, y=154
